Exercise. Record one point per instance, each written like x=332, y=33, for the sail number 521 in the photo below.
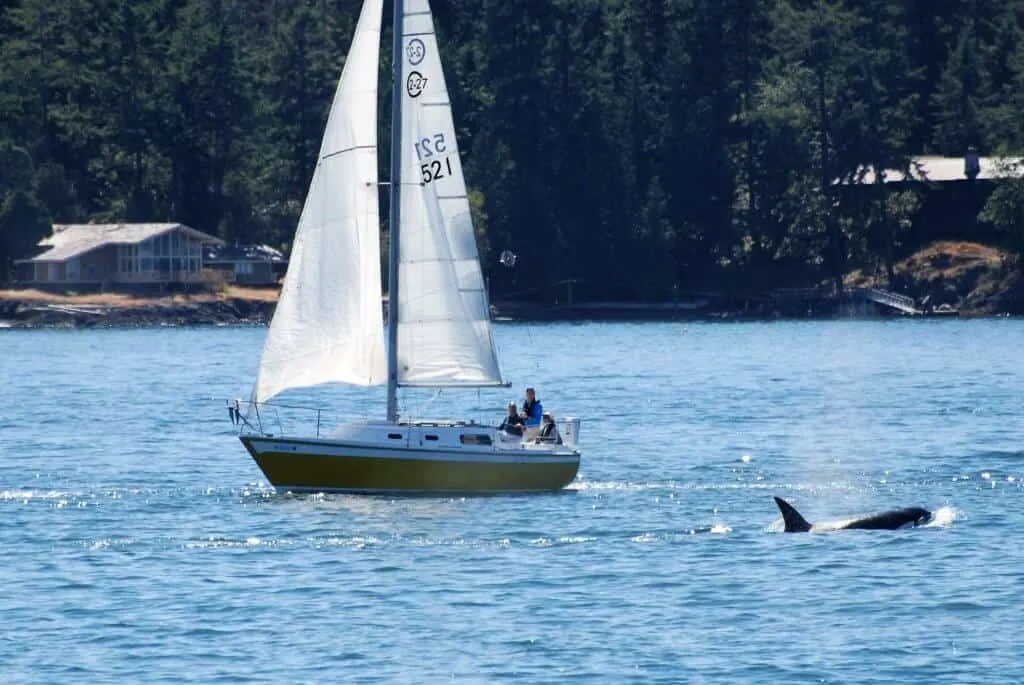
x=433, y=169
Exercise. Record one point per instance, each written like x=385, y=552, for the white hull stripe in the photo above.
x=341, y=449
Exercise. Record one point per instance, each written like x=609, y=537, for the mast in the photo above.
x=396, y=207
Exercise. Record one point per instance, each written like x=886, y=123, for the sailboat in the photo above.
x=328, y=326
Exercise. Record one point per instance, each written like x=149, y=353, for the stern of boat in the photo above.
x=570, y=431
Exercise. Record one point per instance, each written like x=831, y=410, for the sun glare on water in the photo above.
x=943, y=517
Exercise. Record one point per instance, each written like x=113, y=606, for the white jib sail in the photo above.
x=444, y=331
x=328, y=325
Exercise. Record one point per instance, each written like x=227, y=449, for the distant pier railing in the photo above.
x=887, y=298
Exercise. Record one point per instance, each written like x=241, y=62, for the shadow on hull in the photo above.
x=391, y=474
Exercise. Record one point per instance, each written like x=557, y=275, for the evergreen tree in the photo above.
x=884, y=89
x=205, y=107
x=1000, y=107
x=958, y=95
x=640, y=147
x=23, y=218
x=817, y=54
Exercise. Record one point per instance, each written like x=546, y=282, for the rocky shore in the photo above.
x=955, y=277
x=943, y=279
x=29, y=314
x=29, y=308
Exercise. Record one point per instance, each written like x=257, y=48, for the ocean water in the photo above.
x=141, y=544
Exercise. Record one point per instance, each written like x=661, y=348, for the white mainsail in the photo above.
x=328, y=325
x=444, y=331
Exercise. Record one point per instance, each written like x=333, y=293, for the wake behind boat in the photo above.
x=328, y=325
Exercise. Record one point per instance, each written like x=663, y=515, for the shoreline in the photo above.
x=942, y=280
x=119, y=311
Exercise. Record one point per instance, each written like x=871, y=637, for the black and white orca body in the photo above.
x=886, y=520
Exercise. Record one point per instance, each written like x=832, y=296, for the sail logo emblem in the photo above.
x=415, y=51
x=415, y=84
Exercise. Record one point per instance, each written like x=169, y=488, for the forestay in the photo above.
x=328, y=325
x=444, y=332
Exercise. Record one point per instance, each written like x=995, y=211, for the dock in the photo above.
x=887, y=298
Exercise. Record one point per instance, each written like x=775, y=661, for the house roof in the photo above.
x=243, y=253
x=929, y=168
x=72, y=240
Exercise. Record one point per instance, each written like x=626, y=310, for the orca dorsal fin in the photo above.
x=795, y=523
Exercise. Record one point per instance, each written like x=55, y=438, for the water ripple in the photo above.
x=141, y=543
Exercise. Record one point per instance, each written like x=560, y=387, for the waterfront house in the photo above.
x=952, y=191
x=120, y=254
x=246, y=264
x=930, y=169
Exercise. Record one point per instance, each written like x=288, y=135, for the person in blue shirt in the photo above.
x=532, y=410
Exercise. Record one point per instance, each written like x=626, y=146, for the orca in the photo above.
x=886, y=520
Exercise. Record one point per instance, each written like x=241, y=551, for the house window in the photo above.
x=244, y=268
x=71, y=269
x=195, y=251
x=145, y=253
x=126, y=258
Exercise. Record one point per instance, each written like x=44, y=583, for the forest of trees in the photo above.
x=641, y=146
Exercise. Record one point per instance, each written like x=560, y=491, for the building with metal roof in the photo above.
x=934, y=169
x=120, y=253
x=247, y=264
x=949, y=194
